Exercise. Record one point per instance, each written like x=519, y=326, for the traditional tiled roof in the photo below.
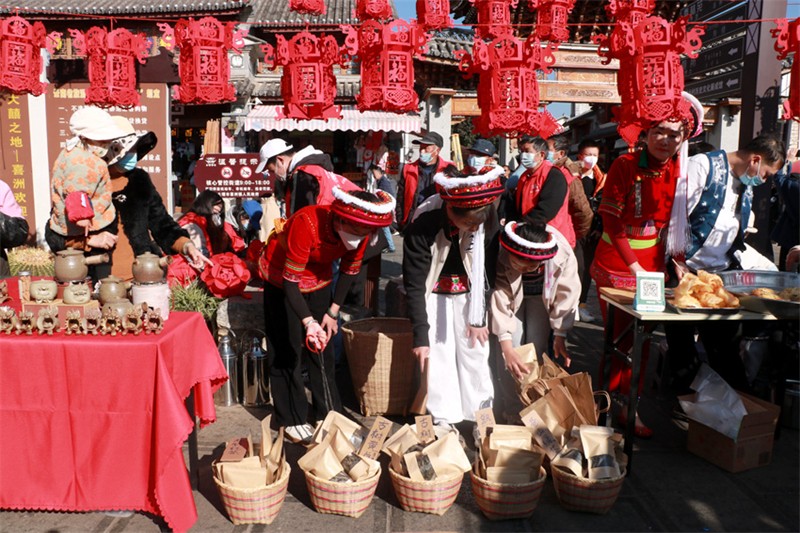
x=347, y=86
x=120, y=7
x=278, y=12
x=444, y=43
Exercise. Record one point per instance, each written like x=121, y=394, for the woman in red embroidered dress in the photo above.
x=301, y=317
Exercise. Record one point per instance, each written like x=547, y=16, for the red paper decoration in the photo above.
x=373, y=10
x=112, y=73
x=203, y=65
x=551, y=19
x=508, y=90
x=787, y=39
x=386, y=52
x=630, y=11
x=494, y=18
x=433, y=14
x=308, y=84
x=309, y=7
x=650, y=77
x=20, y=56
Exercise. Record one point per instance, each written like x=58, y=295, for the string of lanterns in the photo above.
x=648, y=47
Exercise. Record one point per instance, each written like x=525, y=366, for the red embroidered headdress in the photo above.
x=470, y=191
x=364, y=212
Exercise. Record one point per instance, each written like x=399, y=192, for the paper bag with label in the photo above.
x=402, y=442
x=558, y=411
x=571, y=456
x=246, y=474
x=579, y=387
x=599, y=449
x=354, y=432
x=541, y=432
x=357, y=467
x=510, y=436
x=444, y=457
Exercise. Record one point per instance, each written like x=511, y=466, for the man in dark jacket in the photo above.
x=13, y=227
x=417, y=184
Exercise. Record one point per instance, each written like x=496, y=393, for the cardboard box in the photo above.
x=753, y=446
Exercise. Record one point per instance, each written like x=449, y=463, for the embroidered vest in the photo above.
x=704, y=216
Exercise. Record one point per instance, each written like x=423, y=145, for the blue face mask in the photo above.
x=128, y=162
x=476, y=162
x=551, y=156
x=754, y=180
x=527, y=160
x=425, y=157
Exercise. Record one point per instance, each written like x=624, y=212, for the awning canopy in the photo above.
x=265, y=117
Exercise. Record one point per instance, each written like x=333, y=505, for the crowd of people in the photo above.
x=492, y=259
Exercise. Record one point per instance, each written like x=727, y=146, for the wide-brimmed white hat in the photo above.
x=95, y=124
x=270, y=149
x=142, y=142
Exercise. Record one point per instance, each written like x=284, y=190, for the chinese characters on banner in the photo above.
x=16, y=153
x=231, y=176
x=150, y=115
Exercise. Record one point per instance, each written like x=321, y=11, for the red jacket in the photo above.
x=327, y=181
x=237, y=243
x=410, y=182
x=528, y=188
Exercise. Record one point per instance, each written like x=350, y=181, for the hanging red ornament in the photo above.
x=308, y=84
x=20, y=56
x=508, y=89
x=650, y=78
x=112, y=73
x=630, y=11
x=386, y=52
x=203, y=64
x=494, y=18
x=433, y=14
x=551, y=19
x=373, y=10
x=308, y=7
x=787, y=40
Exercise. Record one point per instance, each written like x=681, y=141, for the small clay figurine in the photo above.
x=110, y=322
x=153, y=323
x=132, y=321
x=47, y=322
x=4, y=291
x=25, y=323
x=43, y=290
x=8, y=319
x=73, y=323
x=77, y=293
x=91, y=322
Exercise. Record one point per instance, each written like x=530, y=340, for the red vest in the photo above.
x=528, y=189
x=410, y=180
x=327, y=181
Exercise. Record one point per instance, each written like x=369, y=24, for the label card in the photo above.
x=484, y=419
x=372, y=445
x=425, y=429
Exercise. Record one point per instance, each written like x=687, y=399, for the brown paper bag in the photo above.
x=353, y=431
x=507, y=475
x=510, y=436
x=571, y=456
x=404, y=440
x=246, y=474
x=530, y=460
x=356, y=466
x=580, y=390
x=544, y=437
x=599, y=449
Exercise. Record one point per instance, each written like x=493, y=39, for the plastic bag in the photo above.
x=716, y=404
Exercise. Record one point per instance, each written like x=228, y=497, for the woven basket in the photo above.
x=347, y=499
x=505, y=501
x=434, y=497
x=383, y=371
x=586, y=495
x=254, y=506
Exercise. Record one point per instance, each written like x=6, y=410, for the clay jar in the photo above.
x=120, y=307
x=112, y=289
x=43, y=290
x=77, y=294
x=149, y=268
x=71, y=265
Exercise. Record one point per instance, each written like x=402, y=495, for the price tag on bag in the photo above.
x=375, y=439
x=425, y=429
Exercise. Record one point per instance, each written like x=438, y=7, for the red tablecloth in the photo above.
x=97, y=423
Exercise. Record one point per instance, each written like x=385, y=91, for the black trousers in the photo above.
x=584, y=253
x=287, y=355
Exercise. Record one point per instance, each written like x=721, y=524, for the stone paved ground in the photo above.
x=669, y=490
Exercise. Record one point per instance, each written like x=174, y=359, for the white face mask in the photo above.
x=476, y=162
x=280, y=171
x=590, y=161
x=350, y=241
x=100, y=150
x=527, y=159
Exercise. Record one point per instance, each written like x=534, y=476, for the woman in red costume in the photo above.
x=205, y=222
x=636, y=205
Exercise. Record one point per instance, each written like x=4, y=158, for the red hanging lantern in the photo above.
x=787, y=40
x=433, y=14
x=373, y=10
x=551, y=19
x=508, y=89
x=494, y=18
x=308, y=84
x=203, y=64
x=20, y=56
x=631, y=11
x=386, y=52
x=112, y=73
x=650, y=78
x=308, y=7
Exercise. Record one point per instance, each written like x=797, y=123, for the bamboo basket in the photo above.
x=586, y=495
x=346, y=499
x=434, y=497
x=254, y=506
x=382, y=371
x=505, y=501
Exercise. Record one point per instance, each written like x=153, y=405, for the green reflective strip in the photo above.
x=636, y=244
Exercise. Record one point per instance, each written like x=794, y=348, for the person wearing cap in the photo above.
x=481, y=157
x=307, y=174
x=80, y=182
x=580, y=212
x=519, y=317
x=301, y=314
x=444, y=274
x=417, y=184
x=145, y=224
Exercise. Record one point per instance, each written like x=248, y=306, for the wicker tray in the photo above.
x=254, y=506
x=504, y=501
x=586, y=495
x=346, y=499
x=434, y=497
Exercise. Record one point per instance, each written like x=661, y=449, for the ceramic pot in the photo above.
x=120, y=307
x=71, y=265
x=43, y=290
x=149, y=268
x=77, y=293
x=112, y=288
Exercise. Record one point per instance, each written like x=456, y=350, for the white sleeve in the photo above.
x=697, y=173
